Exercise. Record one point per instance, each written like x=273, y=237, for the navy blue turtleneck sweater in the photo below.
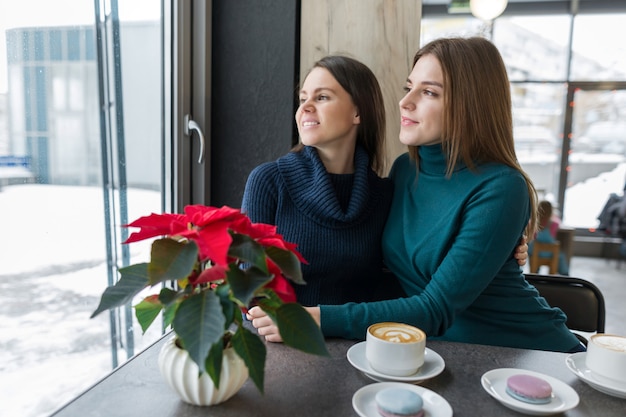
x=336, y=220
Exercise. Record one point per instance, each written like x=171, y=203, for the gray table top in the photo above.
x=298, y=384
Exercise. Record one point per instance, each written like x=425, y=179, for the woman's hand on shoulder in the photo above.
x=521, y=251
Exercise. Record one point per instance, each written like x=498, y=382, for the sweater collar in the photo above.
x=312, y=191
x=434, y=161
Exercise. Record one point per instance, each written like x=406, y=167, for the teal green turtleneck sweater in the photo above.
x=450, y=241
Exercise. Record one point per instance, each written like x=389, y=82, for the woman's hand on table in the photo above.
x=267, y=328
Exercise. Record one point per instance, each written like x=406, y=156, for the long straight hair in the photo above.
x=363, y=87
x=477, y=116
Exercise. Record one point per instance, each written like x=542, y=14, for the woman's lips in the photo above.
x=405, y=121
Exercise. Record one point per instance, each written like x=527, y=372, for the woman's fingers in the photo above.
x=264, y=324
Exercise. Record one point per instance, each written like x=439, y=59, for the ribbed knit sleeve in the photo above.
x=260, y=195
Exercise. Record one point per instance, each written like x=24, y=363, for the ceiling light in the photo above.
x=487, y=9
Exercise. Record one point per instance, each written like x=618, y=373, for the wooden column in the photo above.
x=383, y=34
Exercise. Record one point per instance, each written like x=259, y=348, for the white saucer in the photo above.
x=433, y=366
x=576, y=363
x=364, y=400
x=563, y=396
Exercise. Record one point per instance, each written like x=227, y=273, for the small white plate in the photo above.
x=577, y=364
x=433, y=366
x=563, y=396
x=364, y=400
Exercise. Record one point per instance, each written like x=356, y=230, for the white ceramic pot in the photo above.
x=181, y=373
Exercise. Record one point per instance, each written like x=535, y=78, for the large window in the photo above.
x=597, y=160
x=568, y=102
x=81, y=128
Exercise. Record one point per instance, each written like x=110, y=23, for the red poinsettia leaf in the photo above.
x=202, y=216
x=282, y=288
x=260, y=230
x=266, y=235
x=212, y=274
x=210, y=230
x=157, y=225
x=241, y=224
x=213, y=242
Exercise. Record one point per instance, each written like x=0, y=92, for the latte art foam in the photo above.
x=395, y=349
x=397, y=334
x=606, y=356
x=611, y=342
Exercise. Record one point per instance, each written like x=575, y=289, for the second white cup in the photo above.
x=395, y=349
x=606, y=356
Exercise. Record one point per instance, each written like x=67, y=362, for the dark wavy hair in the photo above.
x=363, y=87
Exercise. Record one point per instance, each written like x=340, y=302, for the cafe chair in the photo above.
x=580, y=300
x=552, y=262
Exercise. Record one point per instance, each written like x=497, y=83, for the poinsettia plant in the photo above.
x=221, y=264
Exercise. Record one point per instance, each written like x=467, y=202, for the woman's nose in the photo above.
x=405, y=101
x=307, y=106
x=410, y=100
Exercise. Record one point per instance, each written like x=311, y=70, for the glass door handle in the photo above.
x=191, y=125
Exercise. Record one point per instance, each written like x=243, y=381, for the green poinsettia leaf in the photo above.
x=169, y=312
x=252, y=350
x=269, y=301
x=147, y=310
x=228, y=307
x=298, y=329
x=238, y=318
x=132, y=280
x=288, y=262
x=248, y=251
x=167, y=296
x=170, y=300
x=244, y=283
x=199, y=323
x=171, y=260
x=214, y=362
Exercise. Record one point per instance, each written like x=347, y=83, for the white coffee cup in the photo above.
x=395, y=349
x=606, y=356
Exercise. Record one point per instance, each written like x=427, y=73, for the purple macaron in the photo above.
x=529, y=389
